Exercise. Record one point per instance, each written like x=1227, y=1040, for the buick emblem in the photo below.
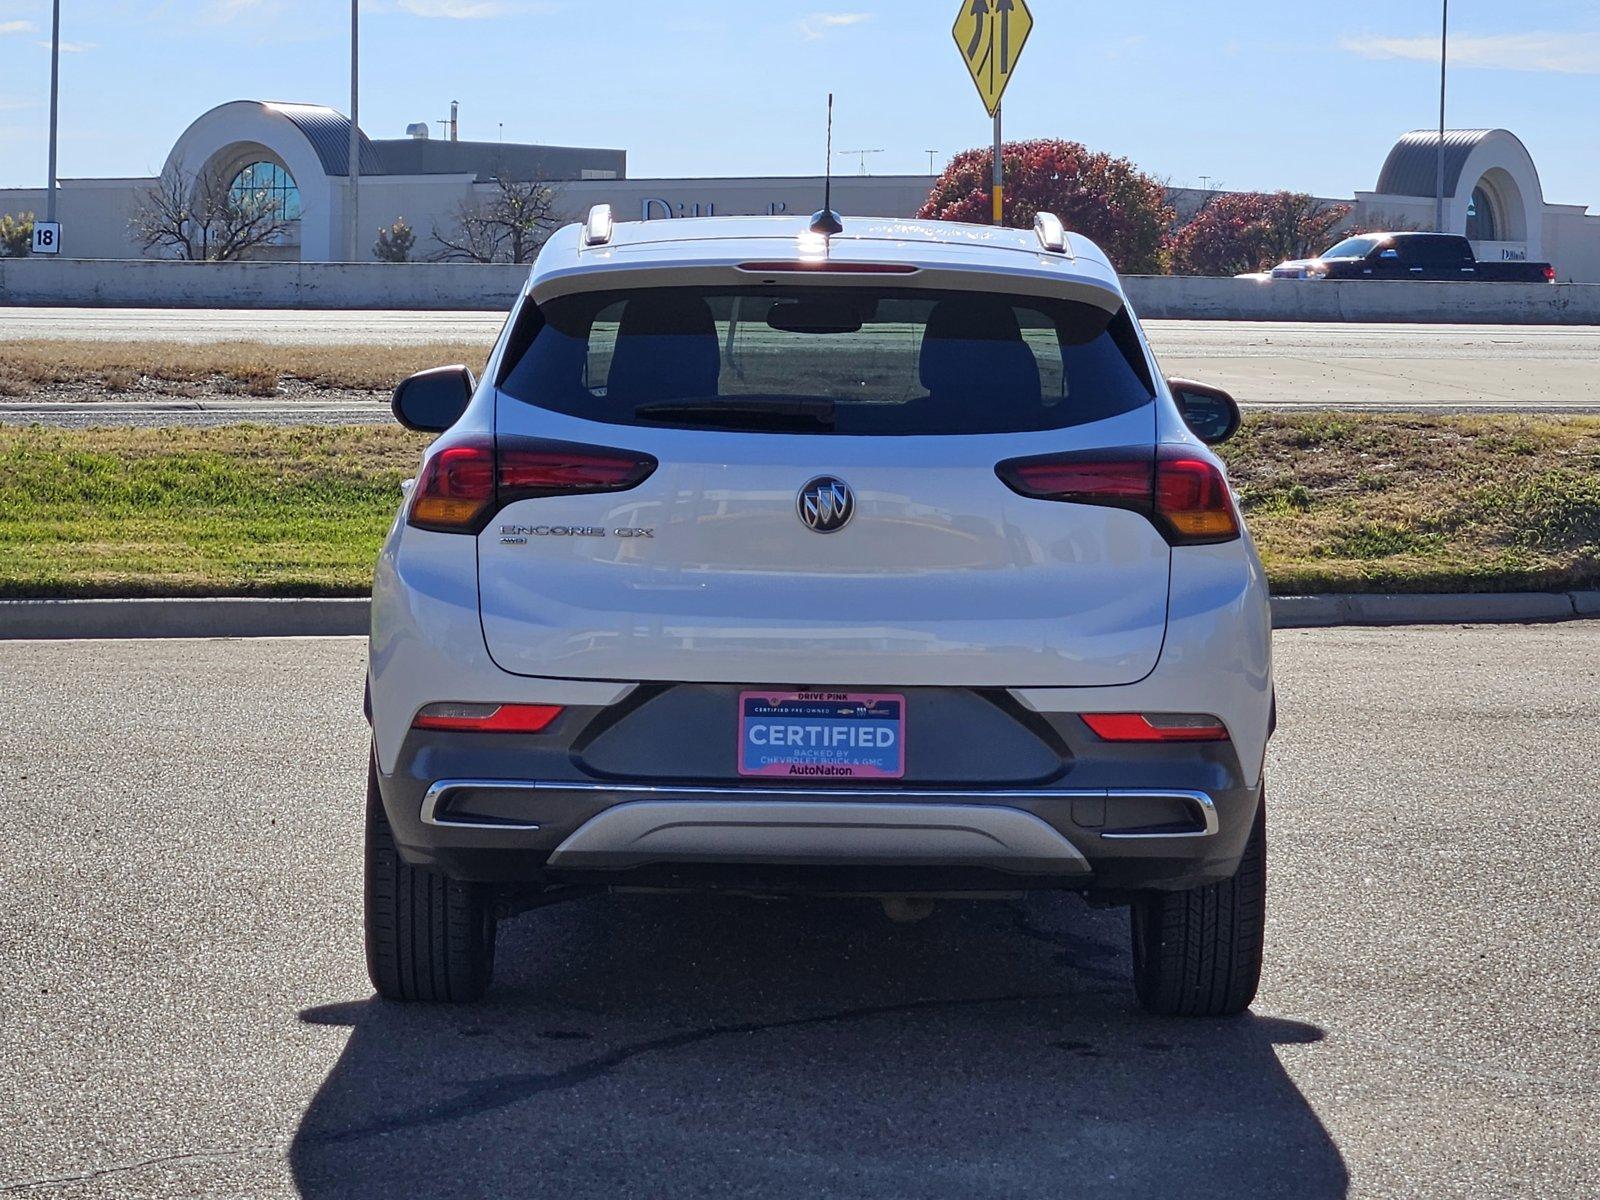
x=826, y=504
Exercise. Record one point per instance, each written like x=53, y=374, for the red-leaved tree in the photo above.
x=1106, y=199
x=1240, y=232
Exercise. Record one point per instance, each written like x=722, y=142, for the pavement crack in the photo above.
x=160, y=1160
x=496, y=1093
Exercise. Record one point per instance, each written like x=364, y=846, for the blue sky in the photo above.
x=1250, y=93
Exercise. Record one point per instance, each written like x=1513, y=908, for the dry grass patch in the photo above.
x=26, y=367
x=1365, y=502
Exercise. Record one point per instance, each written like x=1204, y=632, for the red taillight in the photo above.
x=1183, y=495
x=1192, y=498
x=464, y=484
x=1156, y=727
x=455, y=492
x=1549, y=274
x=529, y=470
x=487, y=718
x=1084, y=482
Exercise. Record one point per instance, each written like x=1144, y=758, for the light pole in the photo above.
x=353, y=216
x=55, y=100
x=1444, y=68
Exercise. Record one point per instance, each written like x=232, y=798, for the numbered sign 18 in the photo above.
x=47, y=237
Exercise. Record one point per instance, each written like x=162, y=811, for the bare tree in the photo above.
x=509, y=226
x=201, y=218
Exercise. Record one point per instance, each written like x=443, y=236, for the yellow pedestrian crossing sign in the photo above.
x=990, y=35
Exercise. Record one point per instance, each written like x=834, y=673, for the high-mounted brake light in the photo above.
x=463, y=485
x=825, y=267
x=487, y=718
x=1156, y=727
x=1183, y=495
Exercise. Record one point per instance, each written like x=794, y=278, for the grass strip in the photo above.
x=28, y=367
x=1338, y=502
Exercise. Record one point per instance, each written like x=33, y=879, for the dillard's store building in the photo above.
x=299, y=155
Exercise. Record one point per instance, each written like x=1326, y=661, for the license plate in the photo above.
x=822, y=735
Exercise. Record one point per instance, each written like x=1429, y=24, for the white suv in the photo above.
x=882, y=562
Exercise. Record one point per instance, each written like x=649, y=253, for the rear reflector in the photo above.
x=1156, y=727
x=464, y=484
x=488, y=718
x=823, y=266
x=1183, y=495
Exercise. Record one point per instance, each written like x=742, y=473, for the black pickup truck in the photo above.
x=1431, y=256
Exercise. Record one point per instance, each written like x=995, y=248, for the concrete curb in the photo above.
x=38, y=620
x=1490, y=608
x=201, y=618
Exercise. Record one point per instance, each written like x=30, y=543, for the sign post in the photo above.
x=991, y=35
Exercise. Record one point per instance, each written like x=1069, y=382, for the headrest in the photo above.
x=666, y=349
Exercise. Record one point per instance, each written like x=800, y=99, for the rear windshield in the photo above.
x=1356, y=247
x=827, y=360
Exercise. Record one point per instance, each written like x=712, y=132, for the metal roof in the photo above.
x=483, y=160
x=1412, y=168
x=328, y=131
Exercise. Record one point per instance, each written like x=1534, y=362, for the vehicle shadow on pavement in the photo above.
x=637, y=1046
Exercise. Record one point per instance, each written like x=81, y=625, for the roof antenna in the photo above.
x=827, y=222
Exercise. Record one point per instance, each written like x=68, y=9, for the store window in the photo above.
x=269, y=180
x=1481, y=223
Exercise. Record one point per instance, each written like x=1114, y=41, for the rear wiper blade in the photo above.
x=740, y=413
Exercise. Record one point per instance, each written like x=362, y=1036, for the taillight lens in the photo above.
x=1183, y=495
x=1156, y=727
x=1550, y=274
x=487, y=718
x=1192, y=498
x=455, y=492
x=466, y=483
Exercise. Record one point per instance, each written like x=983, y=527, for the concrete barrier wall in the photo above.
x=155, y=284
x=151, y=283
x=1176, y=298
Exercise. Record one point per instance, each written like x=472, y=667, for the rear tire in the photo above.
x=428, y=938
x=1197, y=953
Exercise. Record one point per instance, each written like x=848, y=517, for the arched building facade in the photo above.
x=297, y=155
x=1491, y=187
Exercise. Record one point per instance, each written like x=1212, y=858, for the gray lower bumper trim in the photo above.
x=754, y=799
x=815, y=831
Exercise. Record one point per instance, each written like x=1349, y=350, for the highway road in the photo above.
x=1280, y=365
x=187, y=1015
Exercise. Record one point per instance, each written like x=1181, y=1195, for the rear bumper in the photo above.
x=543, y=833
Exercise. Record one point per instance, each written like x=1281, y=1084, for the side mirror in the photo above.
x=432, y=401
x=1210, y=412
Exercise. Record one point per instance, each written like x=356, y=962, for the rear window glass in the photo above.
x=1436, y=251
x=827, y=360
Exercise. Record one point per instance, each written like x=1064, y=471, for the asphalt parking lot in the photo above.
x=187, y=1014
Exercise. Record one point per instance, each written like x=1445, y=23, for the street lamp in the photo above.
x=353, y=215
x=55, y=96
x=1444, y=66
